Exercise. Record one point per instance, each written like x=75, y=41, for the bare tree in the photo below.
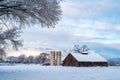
x=77, y=49
x=46, y=12
x=80, y=49
x=84, y=48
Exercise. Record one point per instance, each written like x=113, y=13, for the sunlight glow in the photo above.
x=27, y=53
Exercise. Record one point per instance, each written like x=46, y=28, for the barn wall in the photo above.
x=87, y=64
x=100, y=64
x=70, y=61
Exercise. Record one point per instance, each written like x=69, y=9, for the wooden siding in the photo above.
x=93, y=64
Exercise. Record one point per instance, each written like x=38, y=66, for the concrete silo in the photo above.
x=55, y=58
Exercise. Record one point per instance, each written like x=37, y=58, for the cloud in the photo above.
x=111, y=44
x=69, y=33
x=107, y=26
x=92, y=22
x=87, y=37
x=90, y=9
x=70, y=10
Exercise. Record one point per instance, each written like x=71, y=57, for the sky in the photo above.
x=95, y=23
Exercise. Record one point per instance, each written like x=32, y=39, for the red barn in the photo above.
x=84, y=59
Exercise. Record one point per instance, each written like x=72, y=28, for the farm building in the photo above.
x=84, y=59
x=55, y=58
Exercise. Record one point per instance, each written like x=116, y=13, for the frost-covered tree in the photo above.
x=45, y=12
x=2, y=54
x=13, y=59
x=22, y=58
x=10, y=37
x=41, y=58
x=30, y=59
x=18, y=13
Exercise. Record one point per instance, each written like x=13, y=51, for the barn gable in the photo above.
x=70, y=61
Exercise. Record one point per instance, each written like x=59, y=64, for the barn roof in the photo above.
x=91, y=57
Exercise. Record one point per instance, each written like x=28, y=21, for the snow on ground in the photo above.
x=37, y=72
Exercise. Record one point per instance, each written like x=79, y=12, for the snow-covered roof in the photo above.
x=92, y=57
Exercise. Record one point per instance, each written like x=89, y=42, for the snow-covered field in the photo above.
x=37, y=72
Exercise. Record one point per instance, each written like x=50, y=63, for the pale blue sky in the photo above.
x=91, y=22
